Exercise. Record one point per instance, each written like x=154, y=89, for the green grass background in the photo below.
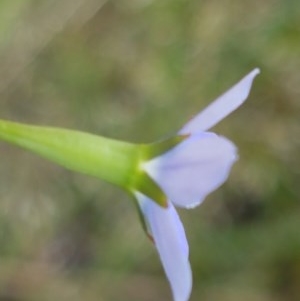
x=136, y=70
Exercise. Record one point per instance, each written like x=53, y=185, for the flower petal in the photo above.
x=221, y=107
x=194, y=168
x=170, y=241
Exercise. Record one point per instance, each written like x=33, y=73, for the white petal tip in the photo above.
x=222, y=106
x=255, y=72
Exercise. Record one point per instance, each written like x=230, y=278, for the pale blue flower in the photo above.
x=181, y=170
x=187, y=174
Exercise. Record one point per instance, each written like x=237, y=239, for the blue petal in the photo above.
x=171, y=243
x=194, y=168
x=221, y=107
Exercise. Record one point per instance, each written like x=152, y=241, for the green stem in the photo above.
x=110, y=160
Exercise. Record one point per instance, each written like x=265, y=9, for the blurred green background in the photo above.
x=136, y=70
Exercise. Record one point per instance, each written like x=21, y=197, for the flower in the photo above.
x=181, y=170
x=186, y=174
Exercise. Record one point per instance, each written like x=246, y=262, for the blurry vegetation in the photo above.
x=137, y=70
